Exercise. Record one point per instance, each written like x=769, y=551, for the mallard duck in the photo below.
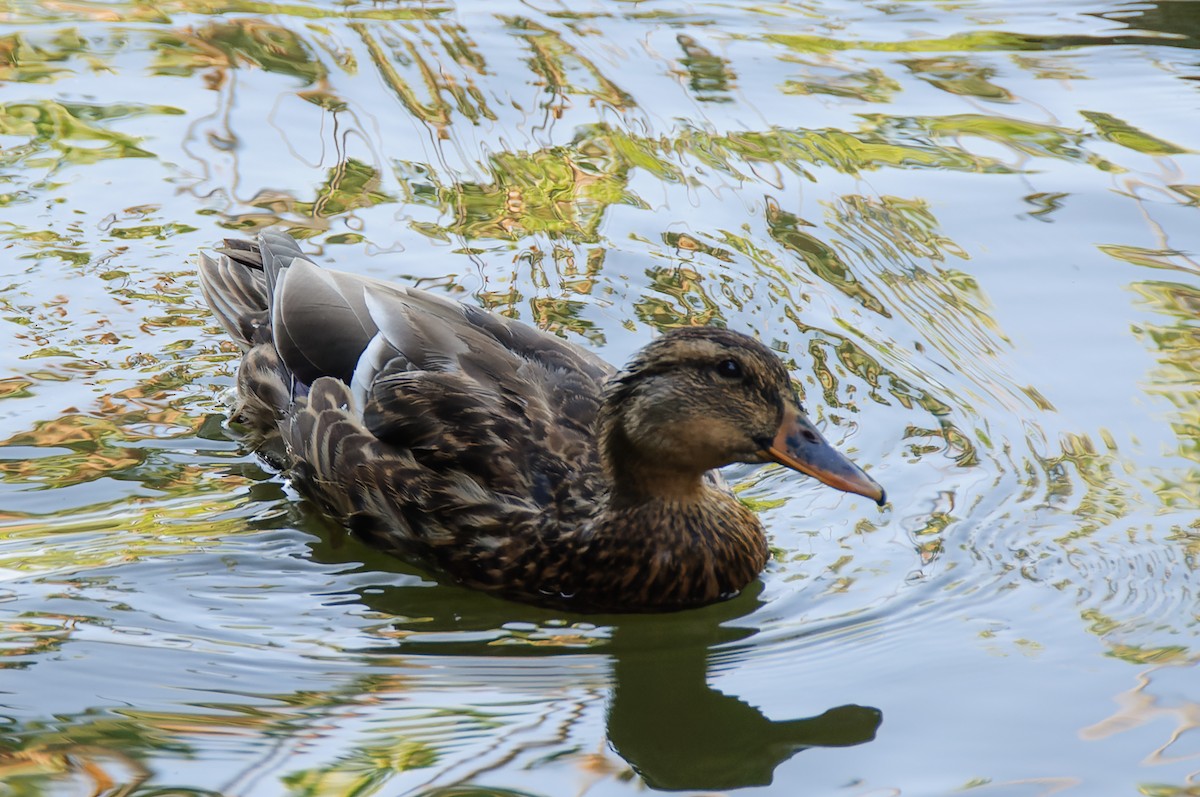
x=504, y=456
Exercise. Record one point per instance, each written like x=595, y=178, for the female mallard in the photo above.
x=508, y=458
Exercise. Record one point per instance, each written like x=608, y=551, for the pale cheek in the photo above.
x=652, y=437
x=684, y=436
x=692, y=442
x=652, y=421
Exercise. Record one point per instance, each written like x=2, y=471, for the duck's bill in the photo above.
x=799, y=446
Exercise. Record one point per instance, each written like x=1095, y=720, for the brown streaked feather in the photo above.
x=263, y=389
x=473, y=447
x=502, y=455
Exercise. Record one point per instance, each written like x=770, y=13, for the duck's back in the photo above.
x=436, y=429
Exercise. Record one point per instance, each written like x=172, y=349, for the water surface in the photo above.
x=971, y=229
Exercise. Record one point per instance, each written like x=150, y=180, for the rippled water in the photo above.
x=972, y=229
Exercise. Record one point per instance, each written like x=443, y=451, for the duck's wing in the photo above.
x=517, y=404
x=469, y=491
x=464, y=392
x=463, y=438
x=322, y=321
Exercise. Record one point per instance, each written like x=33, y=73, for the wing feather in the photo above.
x=433, y=428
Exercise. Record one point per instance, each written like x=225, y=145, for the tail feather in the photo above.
x=243, y=251
x=276, y=252
x=238, y=297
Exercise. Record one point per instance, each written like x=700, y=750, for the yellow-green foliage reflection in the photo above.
x=241, y=42
x=1178, y=374
x=69, y=133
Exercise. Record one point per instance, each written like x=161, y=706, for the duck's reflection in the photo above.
x=680, y=733
x=663, y=718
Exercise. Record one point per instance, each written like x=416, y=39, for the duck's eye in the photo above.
x=730, y=369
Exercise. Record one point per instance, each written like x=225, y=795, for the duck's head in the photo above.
x=697, y=398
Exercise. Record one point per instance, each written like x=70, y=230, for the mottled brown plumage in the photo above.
x=506, y=457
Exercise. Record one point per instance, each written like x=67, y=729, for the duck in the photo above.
x=502, y=456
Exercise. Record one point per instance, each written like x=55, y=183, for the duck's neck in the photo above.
x=636, y=479
x=663, y=538
x=639, y=483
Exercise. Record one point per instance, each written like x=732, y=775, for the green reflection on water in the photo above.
x=958, y=75
x=974, y=41
x=67, y=133
x=562, y=69
x=242, y=42
x=1178, y=348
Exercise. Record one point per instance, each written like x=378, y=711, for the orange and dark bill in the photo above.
x=799, y=446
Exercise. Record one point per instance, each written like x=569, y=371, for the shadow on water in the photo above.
x=680, y=733
x=663, y=717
